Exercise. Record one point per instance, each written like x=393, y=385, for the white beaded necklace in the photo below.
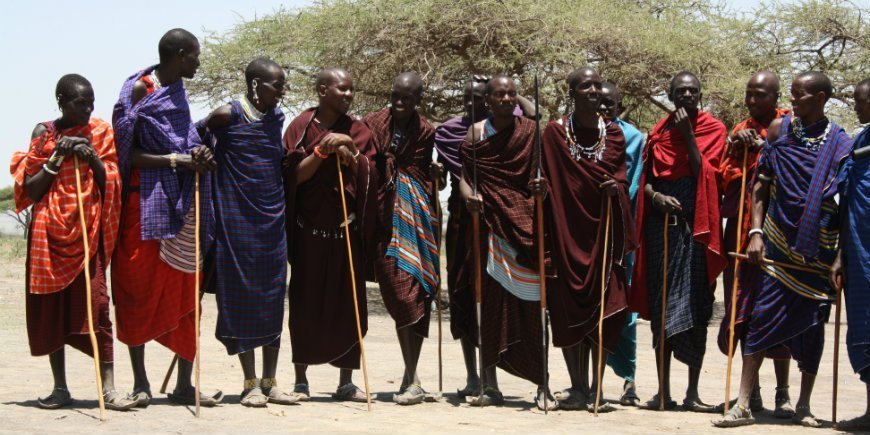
x=812, y=144
x=251, y=112
x=596, y=150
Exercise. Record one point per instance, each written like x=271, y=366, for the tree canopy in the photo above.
x=637, y=44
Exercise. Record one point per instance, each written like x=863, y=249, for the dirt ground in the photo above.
x=24, y=377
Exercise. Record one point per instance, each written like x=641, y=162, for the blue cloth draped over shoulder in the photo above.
x=854, y=180
x=160, y=123
x=250, y=243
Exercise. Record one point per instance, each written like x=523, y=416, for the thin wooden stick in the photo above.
x=604, y=273
x=770, y=262
x=438, y=291
x=478, y=292
x=196, y=287
x=662, y=326
x=353, y=284
x=733, y=318
x=88, y=291
x=168, y=374
x=542, y=273
x=837, y=315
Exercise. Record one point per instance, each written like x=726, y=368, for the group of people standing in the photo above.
x=632, y=226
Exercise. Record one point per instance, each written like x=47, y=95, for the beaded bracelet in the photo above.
x=320, y=154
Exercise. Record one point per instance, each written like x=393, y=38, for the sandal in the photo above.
x=603, y=407
x=491, y=397
x=349, y=393
x=254, y=398
x=141, y=397
x=782, y=405
x=303, y=392
x=58, y=398
x=653, y=404
x=629, y=396
x=696, y=405
x=805, y=418
x=276, y=395
x=410, y=395
x=116, y=402
x=469, y=390
x=737, y=416
x=571, y=400
x=552, y=403
x=187, y=397
x=859, y=424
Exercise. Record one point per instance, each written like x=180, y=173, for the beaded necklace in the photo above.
x=155, y=80
x=811, y=143
x=596, y=150
x=251, y=112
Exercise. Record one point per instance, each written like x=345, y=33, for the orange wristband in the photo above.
x=320, y=154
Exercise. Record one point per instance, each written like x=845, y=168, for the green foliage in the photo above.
x=638, y=44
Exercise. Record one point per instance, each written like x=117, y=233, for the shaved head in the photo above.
x=261, y=68
x=765, y=79
x=576, y=75
x=863, y=85
x=410, y=81
x=611, y=89
x=328, y=76
x=679, y=76
x=173, y=41
x=497, y=79
x=69, y=85
x=816, y=82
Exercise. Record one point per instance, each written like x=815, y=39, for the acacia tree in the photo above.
x=638, y=44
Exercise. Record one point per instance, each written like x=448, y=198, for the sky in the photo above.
x=105, y=41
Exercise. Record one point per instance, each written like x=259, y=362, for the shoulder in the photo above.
x=99, y=125
x=221, y=117
x=140, y=90
x=774, y=130
x=39, y=130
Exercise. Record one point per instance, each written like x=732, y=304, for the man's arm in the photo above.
x=760, y=202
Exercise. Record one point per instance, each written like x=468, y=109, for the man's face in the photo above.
x=686, y=93
x=502, y=97
x=77, y=108
x=338, y=94
x=403, y=100
x=270, y=89
x=761, y=100
x=190, y=61
x=474, y=96
x=609, y=103
x=587, y=92
x=803, y=100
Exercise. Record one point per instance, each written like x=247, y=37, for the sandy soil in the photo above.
x=24, y=377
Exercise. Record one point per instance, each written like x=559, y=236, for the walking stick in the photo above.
x=733, y=318
x=475, y=252
x=438, y=291
x=604, y=270
x=770, y=262
x=542, y=272
x=174, y=361
x=353, y=284
x=90, y=304
x=837, y=315
x=196, y=288
x=662, y=327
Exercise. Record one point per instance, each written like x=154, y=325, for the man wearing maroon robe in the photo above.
x=584, y=162
x=406, y=263
x=322, y=318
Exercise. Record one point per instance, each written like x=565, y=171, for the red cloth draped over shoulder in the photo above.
x=414, y=156
x=56, y=251
x=575, y=204
x=505, y=165
x=360, y=190
x=667, y=158
x=731, y=169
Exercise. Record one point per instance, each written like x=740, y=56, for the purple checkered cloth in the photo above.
x=160, y=123
x=837, y=146
x=250, y=244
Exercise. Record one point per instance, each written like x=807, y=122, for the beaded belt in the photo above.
x=327, y=233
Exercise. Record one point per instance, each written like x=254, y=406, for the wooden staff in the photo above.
x=90, y=302
x=168, y=374
x=604, y=273
x=770, y=262
x=662, y=328
x=475, y=252
x=353, y=284
x=733, y=318
x=438, y=290
x=837, y=315
x=196, y=287
x=542, y=271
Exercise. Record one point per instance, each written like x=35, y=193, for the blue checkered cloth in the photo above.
x=160, y=123
x=250, y=243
